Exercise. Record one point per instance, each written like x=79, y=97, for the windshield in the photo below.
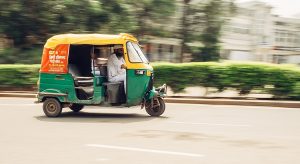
x=135, y=53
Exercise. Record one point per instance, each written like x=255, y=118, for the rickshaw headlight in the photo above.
x=148, y=73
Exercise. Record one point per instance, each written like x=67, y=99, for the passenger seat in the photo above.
x=83, y=85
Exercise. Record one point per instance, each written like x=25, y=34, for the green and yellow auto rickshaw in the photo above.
x=74, y=74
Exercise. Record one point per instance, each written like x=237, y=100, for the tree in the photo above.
x=32, y=21
x=202, y=22
x=150, y=15
x=29, y=23
x=118, y=16
x=21, y=23
x=184, y=29
x=216, y=13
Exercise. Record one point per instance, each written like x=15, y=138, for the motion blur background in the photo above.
x=175, y=31
x=170, y=30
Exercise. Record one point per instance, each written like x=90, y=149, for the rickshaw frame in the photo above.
x=57, y=86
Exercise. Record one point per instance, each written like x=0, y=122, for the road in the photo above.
x=186, y=134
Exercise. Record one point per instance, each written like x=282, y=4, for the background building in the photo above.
x=252, y=34
x=162, y=49
x=255, y=34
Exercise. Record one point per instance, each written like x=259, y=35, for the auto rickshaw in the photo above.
x=74, y=70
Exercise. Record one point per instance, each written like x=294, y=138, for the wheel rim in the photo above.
x=156, y=109
x=51, y=107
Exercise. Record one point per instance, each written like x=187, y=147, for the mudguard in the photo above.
x=62, y=97
x=157, y=92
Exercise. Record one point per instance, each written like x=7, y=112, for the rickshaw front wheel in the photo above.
x=76, y=107
x=157, y=108
x=52, y=107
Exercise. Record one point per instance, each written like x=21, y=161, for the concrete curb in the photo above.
x=21, y=95
x=269, y=103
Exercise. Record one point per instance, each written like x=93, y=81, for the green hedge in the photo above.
x=283, y=81
x=21, y=56
x=18, y=76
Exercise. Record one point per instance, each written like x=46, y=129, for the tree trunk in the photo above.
x=184, y=29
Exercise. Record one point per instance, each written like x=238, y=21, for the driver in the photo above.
x=116, y=67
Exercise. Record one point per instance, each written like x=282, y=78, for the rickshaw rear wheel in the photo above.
x=76, y=107
x=158, y=107
x=52, y=107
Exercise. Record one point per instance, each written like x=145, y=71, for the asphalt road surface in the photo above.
x=186, y=134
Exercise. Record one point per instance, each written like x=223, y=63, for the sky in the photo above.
x=285, y=8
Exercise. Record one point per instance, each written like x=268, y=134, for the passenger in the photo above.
x=116, y=67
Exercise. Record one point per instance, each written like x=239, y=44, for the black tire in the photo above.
x=158, y=110
x=76, y=107
x=52, y=107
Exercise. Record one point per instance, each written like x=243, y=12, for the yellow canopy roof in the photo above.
x=94, y=39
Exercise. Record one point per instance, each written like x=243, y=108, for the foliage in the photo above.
x=216, y=12
x=296, y=91
x=29, y=23
x=150, y=15
x=281, y=81
x=32, y=21
x=20, y=76
x=202, y=22
x=21, y=56
x=119, y=17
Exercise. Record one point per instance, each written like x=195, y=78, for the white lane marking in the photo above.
x=210, y=124
x=145, y=150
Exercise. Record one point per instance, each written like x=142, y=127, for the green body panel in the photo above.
x=151, y=94
x=136, y=87
x=64, y=83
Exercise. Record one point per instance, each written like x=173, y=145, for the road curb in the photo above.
x=20, y=95
x=269, y=103
x=285, y=104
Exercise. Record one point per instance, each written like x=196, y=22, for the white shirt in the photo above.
x=114, y=66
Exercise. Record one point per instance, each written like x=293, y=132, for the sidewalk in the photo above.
x=190, y=100
x=21, y=94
